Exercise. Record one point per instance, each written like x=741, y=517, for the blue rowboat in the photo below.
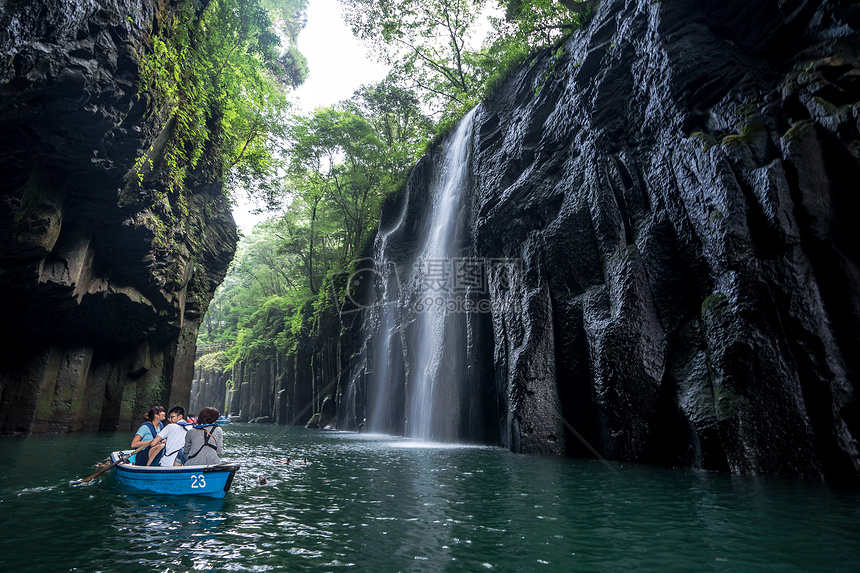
x=212, y=481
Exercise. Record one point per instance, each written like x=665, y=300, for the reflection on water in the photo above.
x=377, y=503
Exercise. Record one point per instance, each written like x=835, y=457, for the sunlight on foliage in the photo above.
x=217, y=70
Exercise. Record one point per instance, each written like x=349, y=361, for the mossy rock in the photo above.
x=716, y=216
x=713, y=302
x=708, y=140
x=745, y=136
x=726, y=402
x=747, y=111
x=796, y=130
x=829, y=108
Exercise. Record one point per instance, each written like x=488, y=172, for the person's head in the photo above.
x=207, y=416
x=176, y=414
x=155, y=414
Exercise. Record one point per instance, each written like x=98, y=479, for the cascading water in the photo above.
x=433, y=412
x=383, y=418
x=417, y=350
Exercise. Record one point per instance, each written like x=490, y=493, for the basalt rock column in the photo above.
x=678, y=181
x=100, y=314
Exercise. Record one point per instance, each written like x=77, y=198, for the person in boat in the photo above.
x=145, y=435
x=204, y=440
x=173, y=436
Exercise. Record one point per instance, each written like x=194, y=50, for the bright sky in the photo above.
x=337, y=65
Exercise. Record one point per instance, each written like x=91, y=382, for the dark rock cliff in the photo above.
x=679, y=182
x=102, y=285
x=681, y=187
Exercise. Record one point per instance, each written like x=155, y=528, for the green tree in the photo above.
x=289, y=16
x=396, y=116
x=216, y=73
x=308, y=231
x=426, y=41
x=336, y=155
x=260, y=270
x=432, y=44
x=537, y=23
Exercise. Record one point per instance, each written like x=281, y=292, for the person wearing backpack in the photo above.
x=204, y=440
x=173, y=436
x=146, y=434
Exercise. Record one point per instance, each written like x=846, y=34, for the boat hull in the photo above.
x=211, y=481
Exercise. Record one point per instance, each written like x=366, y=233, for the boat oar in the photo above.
x=106, y=468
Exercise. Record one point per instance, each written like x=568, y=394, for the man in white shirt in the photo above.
x=173, y=435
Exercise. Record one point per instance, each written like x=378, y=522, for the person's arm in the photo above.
x=138, y=441
x=162, y=436
x=219, y=441
x=187, y=448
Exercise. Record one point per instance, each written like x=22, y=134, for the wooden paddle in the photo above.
x=106, y=468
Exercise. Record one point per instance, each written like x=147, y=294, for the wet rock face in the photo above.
x=100, y=317
x=680, y=185
x=672, y=193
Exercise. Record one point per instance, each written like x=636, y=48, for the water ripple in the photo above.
x=378, y=504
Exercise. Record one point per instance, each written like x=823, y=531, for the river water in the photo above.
x=381, y=504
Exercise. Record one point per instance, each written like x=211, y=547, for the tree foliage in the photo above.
x=435, y=46
x=540, y=22
x=216, y=70
x=341, y=163
x=427, y=42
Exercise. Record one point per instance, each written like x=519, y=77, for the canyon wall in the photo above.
x=677, y=182
x=291, y=387
x=670, y=191
x=680, y=184
x=103, y=282
x=278, y=390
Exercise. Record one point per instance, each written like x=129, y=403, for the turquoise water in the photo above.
x=380, y=504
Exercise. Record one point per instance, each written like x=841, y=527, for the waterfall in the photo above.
x=433, y=412
x=417, y=348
